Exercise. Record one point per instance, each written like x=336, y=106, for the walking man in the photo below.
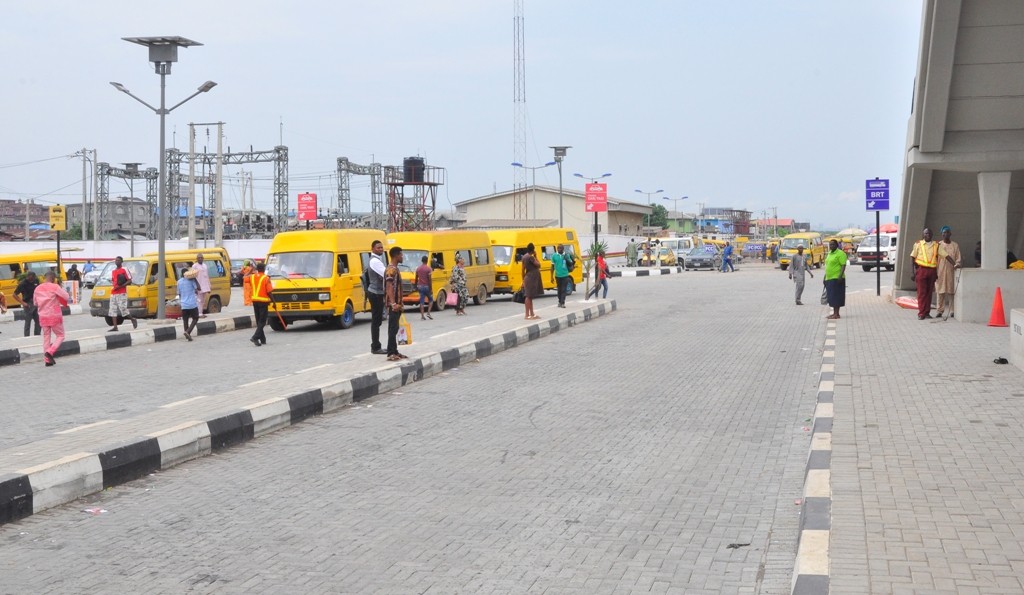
x=560, y=271
x=393, y=301
x=120, y=279
x=188, y=290
x=49, y=298
x=602, y=277
x=375, y=293
x=25, y=292
x=727, y=258
x=631, y=253
x=203, y=278
x=261, y=300
x=926, y=255
x=797, y=268
x=425, y=285
x=945, y=283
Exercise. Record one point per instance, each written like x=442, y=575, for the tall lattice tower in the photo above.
x=519, y=116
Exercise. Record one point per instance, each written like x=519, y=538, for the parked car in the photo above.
x=664, y=256
x=236, y=271
x=89, y=279
x=700, y=258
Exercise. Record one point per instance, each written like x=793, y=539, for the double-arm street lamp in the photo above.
x=560, y=151
x=533, y=170
x=163, y=51
x=675, y=203
x=649, y=195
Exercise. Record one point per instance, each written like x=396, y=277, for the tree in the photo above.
x=658, y=216
x=74, y=232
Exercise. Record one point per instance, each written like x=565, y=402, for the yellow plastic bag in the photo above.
x=404, y=331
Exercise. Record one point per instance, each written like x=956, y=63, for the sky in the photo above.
x=784, y=104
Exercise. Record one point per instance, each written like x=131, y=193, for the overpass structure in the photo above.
x=964, y=164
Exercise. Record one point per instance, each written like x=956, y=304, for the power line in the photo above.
x=9, y=165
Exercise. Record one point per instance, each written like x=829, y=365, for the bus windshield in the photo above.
x=792, y=243
x=502, y=254
x=316, y=265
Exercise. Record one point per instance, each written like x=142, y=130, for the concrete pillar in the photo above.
x=994, y=189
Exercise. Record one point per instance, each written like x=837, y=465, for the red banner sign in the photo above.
x=307, y=206
x=597, y=198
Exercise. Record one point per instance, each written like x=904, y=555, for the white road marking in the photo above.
x=261, y=381
x=87, y=426
x=181, y=402
x=314, y=368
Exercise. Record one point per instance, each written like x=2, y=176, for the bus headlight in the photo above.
x=324, y=297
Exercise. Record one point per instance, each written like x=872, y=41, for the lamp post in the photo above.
x=560, y=151
x=133, y=170
x=533, y=170
x=649, y=195
x=163, y=51
x=675, y=202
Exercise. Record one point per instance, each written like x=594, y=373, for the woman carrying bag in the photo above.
x=458, y=283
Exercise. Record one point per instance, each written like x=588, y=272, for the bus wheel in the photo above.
x=275, y=323
x=213, y=305
x=347, y=318
x=481, y=296
x=441, y=300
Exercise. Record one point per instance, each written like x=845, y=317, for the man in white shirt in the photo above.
x=375, y=293
x=203, y=277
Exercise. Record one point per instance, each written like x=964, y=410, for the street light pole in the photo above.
x=163, y=51
x=675, y=202
x=560, y=152
x=533, y=170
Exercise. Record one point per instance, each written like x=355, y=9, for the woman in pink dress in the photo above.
x=49, y=298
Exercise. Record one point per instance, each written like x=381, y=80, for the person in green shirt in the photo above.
x=631, y=253
x=560, y=271
x=835, y=279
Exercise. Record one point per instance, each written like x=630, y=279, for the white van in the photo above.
x=869, y=256
x=680, y=245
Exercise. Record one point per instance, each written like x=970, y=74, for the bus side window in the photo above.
x=437, y=260
x=481, y=256
x=220, y=267
x=466, y=257
x=8, y=271
x=342, y=264
x=519, y=254
x=546, y=252
x=364, y=260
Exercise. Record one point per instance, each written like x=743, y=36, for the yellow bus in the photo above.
x=316, y=273
x=509, y=245
x=814, y=249
x=14, y=265
x=441, y=248
x=143, y=290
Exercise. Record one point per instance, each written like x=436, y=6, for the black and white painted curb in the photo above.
x=642, y=272
x=127, y=338
x=18, y=314
x=67, y=478
x=811, y=576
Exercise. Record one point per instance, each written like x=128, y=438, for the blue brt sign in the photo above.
x=876, y=195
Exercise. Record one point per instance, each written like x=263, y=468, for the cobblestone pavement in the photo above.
x=927, y=456
x=660, y=448
x=121, y=383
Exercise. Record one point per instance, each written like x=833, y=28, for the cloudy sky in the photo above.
x=751, y=104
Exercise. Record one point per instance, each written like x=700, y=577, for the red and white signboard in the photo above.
x=597, y=198
x=307, y=206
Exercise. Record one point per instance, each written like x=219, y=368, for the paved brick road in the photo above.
x=623, y=455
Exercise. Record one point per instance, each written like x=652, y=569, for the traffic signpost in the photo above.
x=306, y=207
x=58, y=223
x=596, y=197
x=876, y=198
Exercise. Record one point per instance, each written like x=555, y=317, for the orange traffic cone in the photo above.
x=998, y=318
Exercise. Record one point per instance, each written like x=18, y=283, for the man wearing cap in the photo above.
x=926, y=255
x=945, y=284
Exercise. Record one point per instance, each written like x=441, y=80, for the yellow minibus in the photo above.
x=316, y=273
x=441, y=249
x=143, y=290
x=14, y=265
x=509, y=245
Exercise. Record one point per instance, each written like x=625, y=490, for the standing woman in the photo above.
x=835, y=279
x=458, y=283
x=49, y=298
x=247, y=271
x=532, y=285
